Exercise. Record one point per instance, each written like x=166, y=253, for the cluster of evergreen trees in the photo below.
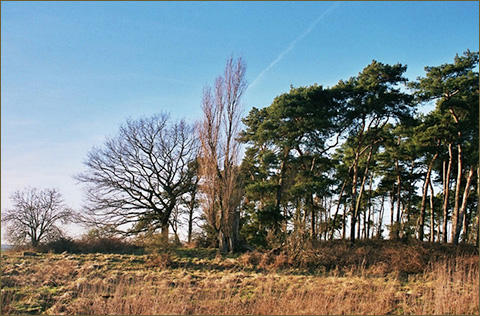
x=358, y=160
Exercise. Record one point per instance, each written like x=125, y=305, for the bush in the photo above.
x=250, y=259
x=153, y=243
x=105, y=241
x=106, y=245
x=62, y=244
x=373, y=257
x=206, y=238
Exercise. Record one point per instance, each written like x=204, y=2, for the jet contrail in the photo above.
x=292, y=44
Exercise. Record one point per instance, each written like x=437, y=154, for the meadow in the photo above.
x=371, y=277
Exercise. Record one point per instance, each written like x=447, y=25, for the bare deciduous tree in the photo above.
x=35, y=215
x=138, y=177
x=220, y=181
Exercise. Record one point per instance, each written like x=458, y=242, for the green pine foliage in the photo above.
x=358, y=160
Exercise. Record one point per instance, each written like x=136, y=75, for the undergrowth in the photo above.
x=326, y=278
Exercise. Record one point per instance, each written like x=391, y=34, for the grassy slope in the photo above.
x=332, y=278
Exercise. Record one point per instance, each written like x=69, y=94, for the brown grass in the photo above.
x=253, y=283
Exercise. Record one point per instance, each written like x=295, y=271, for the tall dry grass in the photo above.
x=384, y=278
x=447, y=287
x=450, y=287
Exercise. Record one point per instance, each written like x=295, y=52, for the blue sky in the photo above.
x=71, y=72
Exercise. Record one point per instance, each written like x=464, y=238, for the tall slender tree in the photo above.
x=219, y=154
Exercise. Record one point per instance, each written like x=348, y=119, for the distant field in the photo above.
x=6, y=247
x=428, y=280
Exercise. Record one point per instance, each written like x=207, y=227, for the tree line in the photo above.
x=353, y=161
x=326, y=163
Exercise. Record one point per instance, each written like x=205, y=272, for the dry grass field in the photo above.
x=332, y=278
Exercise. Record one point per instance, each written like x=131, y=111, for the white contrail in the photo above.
x=292, y=44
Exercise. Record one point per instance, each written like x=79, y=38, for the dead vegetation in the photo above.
x=376, y=278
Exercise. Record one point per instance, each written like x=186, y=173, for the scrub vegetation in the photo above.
x=368, y=277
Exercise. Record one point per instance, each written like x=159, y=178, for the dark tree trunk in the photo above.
x=338, y=207
x=164, y=236
x=463, y=207
x=190, y=227
x=456, y=209
x=223, y=242
x=356, y=199
x=424, y=198
x=312, y=206
x=446, y=192
x=35, y=243
x=392, y=208
x=432, y=213
x=397, y=228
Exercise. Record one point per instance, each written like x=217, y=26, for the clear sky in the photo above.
x=71, y=72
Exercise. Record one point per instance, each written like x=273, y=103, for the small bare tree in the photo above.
x=138, y=177
x=219, y=154
x=35, y=216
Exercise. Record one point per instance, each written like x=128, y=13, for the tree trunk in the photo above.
x=359, y=226
x=370, y=204
x=424, y=198
x=228, y=239
x=223, y=242
x=432, y=213
x=191, y=209
x=397, y=228
x=446, y=192
x=462, y=209
x=339, y=202
x=466, y=225
x=410, y=191
x=380, y=217
x=235, y=237
x=392, y=209
x=354, y=199
x=364, y=226
x=357, y=199
x=35, y=243
x=456, y=222
x=164, y=236
x=312, y=210
x=190, y=226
